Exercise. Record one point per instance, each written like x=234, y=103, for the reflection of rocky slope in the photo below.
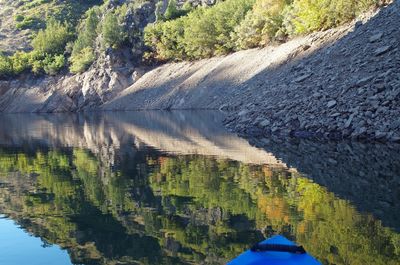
x=366, y=174
x=176, y=132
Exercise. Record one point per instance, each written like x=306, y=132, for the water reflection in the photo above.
x=175, y=188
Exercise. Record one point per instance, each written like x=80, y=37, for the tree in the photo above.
x=82, y=60
x=87, y=33
x=113, y=32
x=53, y=39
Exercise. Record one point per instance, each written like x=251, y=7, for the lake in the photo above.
x=177, y=188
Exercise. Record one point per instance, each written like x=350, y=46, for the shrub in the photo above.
x=82, y=60
x=6, y=69
x=19, y=18
x=29, y=23
x=208, y=31
x=158, y=11
x=308, y=16
x=20, y=62
x=263, y=24
x=53, y=64
x=204, y=32
x=173, y=12
x=53, y=39
x=167, y=39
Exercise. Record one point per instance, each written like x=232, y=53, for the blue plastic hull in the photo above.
x=273, y=257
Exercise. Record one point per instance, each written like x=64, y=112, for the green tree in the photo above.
x=204, y=32
x=20, y=62
x=53, y=39
x=173, y=11
x=82, y=55
x=112, y=30
x=81, y=61
x=87, y=32
x=158, y=11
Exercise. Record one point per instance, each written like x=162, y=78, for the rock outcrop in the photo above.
x=113, y=71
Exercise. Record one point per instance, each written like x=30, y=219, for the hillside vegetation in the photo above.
x=65, y=33
x=234, y=25
x=69, y=35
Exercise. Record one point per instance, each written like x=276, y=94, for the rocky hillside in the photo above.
x=21, y=19
x=349, y=88
x=110, y=70
x=11, y=38
x=336, y=84
x=339, y=83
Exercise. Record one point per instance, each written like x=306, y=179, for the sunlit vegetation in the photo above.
x=47, y=55
x=83, y=55
x=52, y=25
x=113, y=32
x=187, y=209
x=69, y=35
x=204, y=32
x=237, y=24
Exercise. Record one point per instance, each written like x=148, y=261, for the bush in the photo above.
x=173, y=12
x=262, y=25
x=20, y=62
x=53, y=64
x=308, y=16
x=19, y=18
x=53, y=39
x=6, y=69
x=29, y=23
x=203, y=33
x=81, y=61
x=238, y=24
x=208, y=32
x=166, y=39
x=158, y=11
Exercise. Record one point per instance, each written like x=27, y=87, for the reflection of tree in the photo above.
x=183, y=209
x=328, y=227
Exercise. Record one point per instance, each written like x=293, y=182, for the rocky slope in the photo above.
x=350, y=88
x=337, y=84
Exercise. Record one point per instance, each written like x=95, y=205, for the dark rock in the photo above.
x=382, y=50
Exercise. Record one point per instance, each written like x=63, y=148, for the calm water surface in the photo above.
x=176, y=188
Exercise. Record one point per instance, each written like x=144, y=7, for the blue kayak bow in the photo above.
x=275, y=251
